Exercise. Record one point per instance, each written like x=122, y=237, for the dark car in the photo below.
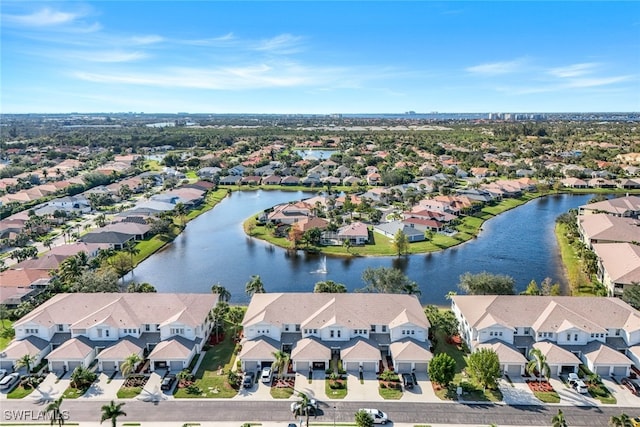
x=167, y=382
x=633, y=388
x=248, y=380
x=408, y=381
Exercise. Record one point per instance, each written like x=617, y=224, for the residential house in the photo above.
x=604, y=228
x=359, y=329
x=357, y=234
x=390, y=229
x=597, y=330
x=628, y=206
x=76, y=328
x=618, y=266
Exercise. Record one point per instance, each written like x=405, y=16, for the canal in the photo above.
x=214, y=249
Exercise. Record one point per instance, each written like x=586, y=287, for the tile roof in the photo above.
x=360, y=350
x=351, y=310
x=556, y=355
x=310, y=349
x=174, y=348
x=30, y=345
x=259, y=349
x=73, y=349
x=409, y=350
x=119, y=308
x=601, y=354
x=121, y=349
x=548, y=311
x=620, y=260
x=506, y=353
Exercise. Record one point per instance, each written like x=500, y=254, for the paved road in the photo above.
x=399, y=412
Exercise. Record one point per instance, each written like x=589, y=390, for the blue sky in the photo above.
x=319, y=57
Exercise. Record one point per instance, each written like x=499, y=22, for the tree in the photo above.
x=442, y=369
x=129, y=364
x=53, y=409
x=235, y=316
x=82, y=378
x=329, y=287
x=305, y=406
x=254, y=286
x=485, y=283
x=622, y=420
x=484, y=367
x=401, y=243
x=121, y=264
x=532, y=289
x=385, y=280
x=411, y=289
x=26, y=361
x=219, y=313
x=442, y=320
x=281, y=362
x=104, y=280
x=131, y=248
x=631, y=295
x=111, y=412
x=539, y=363
x=141, y=288
x=558, y=420
x=363, y=419
x=223, y=293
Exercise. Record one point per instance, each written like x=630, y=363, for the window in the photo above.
x=147, y=327
x=339, y=333
x=384, y=328
x=106, y=332
x=575, y=337
x=31, y=331
x=331, y=333
x=568, y=337
x=286, y=328
x=527, y=331
x=297, y=328
x=373, y=328
x=61, y=328
x=177, y=331
x=617, y=332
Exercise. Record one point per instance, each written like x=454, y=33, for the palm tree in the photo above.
x=26, y=361
x=223, y=293
x=111, y=412
x=305, y=406
x=254, y=286
x=219, y=312
x=235, y=316
x=411, y=289
x=558, y=420
x=622, y=420
x=281, y=362
x=131, y=248
x=539, y=363
x=53, y=409
x=129, y=364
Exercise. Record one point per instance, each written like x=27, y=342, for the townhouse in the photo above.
x=601, y=333
x=364, y=331
x=82, y=329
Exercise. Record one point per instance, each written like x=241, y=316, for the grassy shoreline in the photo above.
x=469, y=228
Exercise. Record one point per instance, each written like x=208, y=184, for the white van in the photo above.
x=378, y=416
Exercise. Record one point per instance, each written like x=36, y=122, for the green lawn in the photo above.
x=468, y=228
x=335, y=393
x=390, y=393
x=73, y=393
x=579, y=282
x=19, y=392
x=281, y=392
x=547, y=396
x=128, y=392
x=208, y=379
x=6, y=334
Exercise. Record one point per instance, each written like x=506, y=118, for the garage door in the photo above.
x=302, y=366
x=620, y=371
x=266, y=363
x=370, y=367
x=110, y=365
x=513, y=370
x=403, y=367
x=57, y=366
x=319, y=366
x=176, y=366
x=602, y=371
x=74, y=365
x=553, y=370
x=422, y=367
x=6, y=365
x=352, y=366
x=250, y=365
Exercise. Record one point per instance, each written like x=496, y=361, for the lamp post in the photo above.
x=334, y=415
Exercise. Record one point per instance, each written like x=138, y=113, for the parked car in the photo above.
x=573, y=377
x=378, y=416
x=9, y=381
x=296, y=406
x=581, y=387
x=265, y=377
x=635, y=422
x=167, y=382
x=407, y=380
x=633, y=388
x=248, y=380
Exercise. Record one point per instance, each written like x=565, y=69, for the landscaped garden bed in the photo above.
x=132, y=386
x=336, y=386
x=543, y=391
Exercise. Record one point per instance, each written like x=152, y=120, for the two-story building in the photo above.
x=595, y=331
x=360, y=329
x=76, y=329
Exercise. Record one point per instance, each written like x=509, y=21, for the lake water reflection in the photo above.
x=214, y=249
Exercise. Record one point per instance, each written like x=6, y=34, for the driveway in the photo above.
x=367, y=391
x=569, y=396
x=314, y=390
x=51, y=388
x=103, y=389
x=259, y=391
x=622, y=394
x=517, y=393
x=421, y=392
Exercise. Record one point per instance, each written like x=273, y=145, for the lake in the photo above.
x=214, y=249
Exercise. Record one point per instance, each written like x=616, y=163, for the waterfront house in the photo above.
x=358, y=328
x=599, y=331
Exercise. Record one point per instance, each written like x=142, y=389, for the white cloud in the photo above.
x=42, y=18
x=283, y=43
x=573, y=70
x=597, y=81
x=145, y=40
x=497, y=68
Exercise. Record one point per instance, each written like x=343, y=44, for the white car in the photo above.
x=266, y=375
x=378, y=416
x=3, y=372
x=9, y=381
x=573, y=378
x=581, y=387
